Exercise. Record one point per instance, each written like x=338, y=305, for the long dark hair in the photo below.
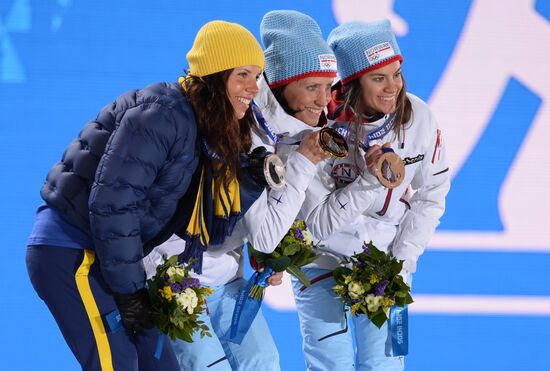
x=216, y=121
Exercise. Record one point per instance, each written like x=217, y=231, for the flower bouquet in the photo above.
x=370, y=283
x=295, y=250
x=177, y=300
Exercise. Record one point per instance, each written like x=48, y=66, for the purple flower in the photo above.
x=366, y=248
x=190, y=282
x=176, y=287
x=186, y=282
x=379, y=289
x=298, y=234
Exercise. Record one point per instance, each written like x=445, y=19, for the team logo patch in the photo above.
x=345, y=173
x=412, y=160
x=327, y=62
x=379, y=52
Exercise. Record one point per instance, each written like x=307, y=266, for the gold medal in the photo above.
x=332, y=143
x=274, y=171
x=390, y=169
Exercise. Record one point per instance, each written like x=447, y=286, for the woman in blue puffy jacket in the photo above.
x=120, y=187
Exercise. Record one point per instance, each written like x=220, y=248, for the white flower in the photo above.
x=373, y=302
x=187, y=300
x=355, y=289
x=307, y=237
x=171, y=272
x=175, y=274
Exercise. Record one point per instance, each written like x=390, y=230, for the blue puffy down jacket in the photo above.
x=121, y=178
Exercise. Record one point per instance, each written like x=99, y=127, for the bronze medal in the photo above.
x=274, y=172
x=332, y=143
x=390, y=169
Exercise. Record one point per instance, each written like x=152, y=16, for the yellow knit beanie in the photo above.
x=220, y=46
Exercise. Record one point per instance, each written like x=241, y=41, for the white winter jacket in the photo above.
x=345, y=205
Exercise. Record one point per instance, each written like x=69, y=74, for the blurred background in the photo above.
x=482, y=290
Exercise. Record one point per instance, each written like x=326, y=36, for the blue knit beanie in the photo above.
x=361, y=47
x=294, y=48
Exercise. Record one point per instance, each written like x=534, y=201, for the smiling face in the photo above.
x=242, y=87
x=380, y=88
x=308, y=97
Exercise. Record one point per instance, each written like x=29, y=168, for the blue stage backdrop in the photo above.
x=482, y=291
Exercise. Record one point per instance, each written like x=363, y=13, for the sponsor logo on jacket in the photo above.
x=412, y=160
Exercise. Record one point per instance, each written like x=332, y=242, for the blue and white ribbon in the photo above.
x=377, y=133
x=246, y=307
x=399, y=329
x=264, y=124
x=269, y=131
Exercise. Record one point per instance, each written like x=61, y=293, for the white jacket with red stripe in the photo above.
x=345, y=205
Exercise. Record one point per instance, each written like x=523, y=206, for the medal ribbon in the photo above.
x=246, y=307
x=377, y=133
x=264, y=124
x=399, y=329
x=276, y=139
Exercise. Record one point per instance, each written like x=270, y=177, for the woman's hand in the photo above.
x=373, y=155
x=311, y=149
x=275, y=279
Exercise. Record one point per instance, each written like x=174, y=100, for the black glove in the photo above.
x=134, y=310
x=256, y=165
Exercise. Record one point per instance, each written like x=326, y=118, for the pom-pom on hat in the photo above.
x=294, y=48
x=220, y=46
x=361, y=47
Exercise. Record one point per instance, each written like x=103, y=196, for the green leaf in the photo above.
x=259, y=256
x=278, y=264
x=339, y=272
x=401, y=294
x=291, y=249
x=186, y=337
x=402, y=299
x=356, y=308
x=173, y=260
x=309, y=257
x=297, y=272
x=288, y=239
x=379, y=318
x=400, y=302
x=395, y=267
x=377, y=255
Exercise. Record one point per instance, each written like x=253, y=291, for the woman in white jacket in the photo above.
x=346, y=204
x=294, y=92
